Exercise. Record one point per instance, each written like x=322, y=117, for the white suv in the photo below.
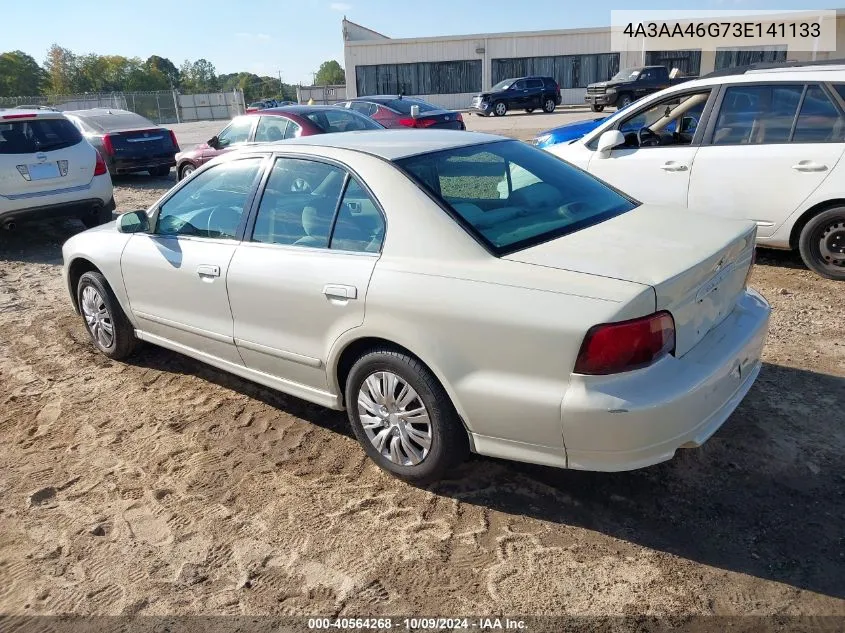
x=763, y=144
x=47, y=169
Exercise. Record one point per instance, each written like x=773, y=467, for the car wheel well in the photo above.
x=77, y=268
x=808, y=215
x=357, y=348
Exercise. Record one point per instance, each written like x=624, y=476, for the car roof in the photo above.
x=388, y=144
x=300, y=109
x=24, y=113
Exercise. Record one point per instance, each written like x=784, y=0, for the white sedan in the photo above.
x=384, y=273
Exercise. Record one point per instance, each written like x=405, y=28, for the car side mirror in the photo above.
x=213, y=142
x=133, y=222
x=609, y=140
x=415, y=111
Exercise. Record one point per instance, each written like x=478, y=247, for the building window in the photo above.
x=423, y=78
x=688, y=62
x=570, y=71
x=733, y=57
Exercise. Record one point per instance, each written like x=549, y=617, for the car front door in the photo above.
x=769, y=147
x=661, y=141
x=300, y=281
x=175, y=276
x=238, y=132
x=517, y=95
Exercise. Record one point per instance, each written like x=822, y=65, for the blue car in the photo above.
x=571, y=131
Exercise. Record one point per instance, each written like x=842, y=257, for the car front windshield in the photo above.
x=503, y=85
x=626, y=74
x=512, y=195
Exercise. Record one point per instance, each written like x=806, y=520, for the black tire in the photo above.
x=449, y=442
x=549, y=105
x=123, y=341
x=822, y=244
x=529, y=110
x=159, y=172
x=596, y=108
x=624, y=100
x=98, y=217
x=500, y=111
x=185, y=170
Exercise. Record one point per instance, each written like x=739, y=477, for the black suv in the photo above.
x=525, y=93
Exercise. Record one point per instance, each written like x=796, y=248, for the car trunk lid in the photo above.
x=142, y=143
x=697, y=265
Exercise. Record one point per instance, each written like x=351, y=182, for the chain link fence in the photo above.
x=162, y=107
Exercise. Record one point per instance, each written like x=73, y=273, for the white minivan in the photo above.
x=762, y=144
x=47, y=169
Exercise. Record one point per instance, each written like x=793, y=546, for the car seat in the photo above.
x=316, y=224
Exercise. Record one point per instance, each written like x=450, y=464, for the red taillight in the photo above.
x=417, y=122
x=612, y=348
x=173, y=138
x=18, y=116
x=100, y=166
x=107, y=145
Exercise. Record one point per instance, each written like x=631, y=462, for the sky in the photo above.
x=267, y=37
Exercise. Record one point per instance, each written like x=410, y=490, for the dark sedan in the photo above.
x=273, y=124
x=397, y=111
x=127, y=141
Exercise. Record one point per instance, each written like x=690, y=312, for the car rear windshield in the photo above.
x=404, y=105
x=28, y=136
x=341, y=121
x=115, y=122
x=512, y=196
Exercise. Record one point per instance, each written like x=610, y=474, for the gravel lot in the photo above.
x=162, y=486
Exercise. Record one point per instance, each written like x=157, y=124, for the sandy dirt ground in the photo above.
x=162, y=486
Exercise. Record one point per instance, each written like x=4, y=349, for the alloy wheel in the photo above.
x=97, y=317
x=394, y=418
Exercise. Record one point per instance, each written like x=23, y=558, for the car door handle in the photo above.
x=673, y=166
x=808, y=165
x=208, y=270
x=339, y=291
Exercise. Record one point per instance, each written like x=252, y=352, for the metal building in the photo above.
x=449, y=70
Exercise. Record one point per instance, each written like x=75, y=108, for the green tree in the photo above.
x=330, y=73
x=198, y=76
x=165, y=67
x=20, y=75
x=62, y=70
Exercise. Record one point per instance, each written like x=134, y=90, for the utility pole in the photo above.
x=281, y=90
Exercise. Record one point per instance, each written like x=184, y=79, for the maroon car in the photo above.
x=397, y=111
x=273, y=124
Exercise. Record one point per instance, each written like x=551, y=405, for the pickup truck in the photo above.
x=628, y=85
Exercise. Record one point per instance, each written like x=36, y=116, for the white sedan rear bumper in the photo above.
x=632, y=420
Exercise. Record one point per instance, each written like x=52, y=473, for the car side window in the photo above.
x=293, y=130
x=211, y=204
x=236, y=132
x=359, y=226
x=298, y=203
x=671, y=121
x=819, y=120
x=271, y=128
x=518, y=85
x=753, y=115
x=363, y=107
x=535, y=83
x=840, y=88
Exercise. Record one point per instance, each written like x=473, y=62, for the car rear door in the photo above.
x=175, y=276
x=768, y=147
x=301, y=278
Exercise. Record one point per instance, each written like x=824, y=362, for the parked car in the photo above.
x=47, y=169
x=275, y=124
x=128, y=142
x=628, y=85
x=524, y=93
x=567, y=325
x=759, y=144
x=255, y=106
x=396, y=111
x=567, y=133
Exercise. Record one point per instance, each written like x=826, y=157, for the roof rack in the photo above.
x=741, y=70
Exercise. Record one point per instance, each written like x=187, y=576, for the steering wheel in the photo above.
x=647, y=138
